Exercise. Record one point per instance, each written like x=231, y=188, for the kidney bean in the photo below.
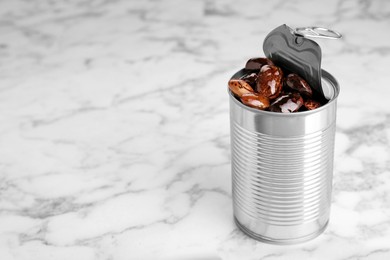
x=270, y=81
x=297, y=83
x=287, y=103
x=251, y=79
x=311, y=104
x=257, y=63
x=239, y=87
x=255, y=100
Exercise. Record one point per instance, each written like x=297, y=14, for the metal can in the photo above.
x=282, y=168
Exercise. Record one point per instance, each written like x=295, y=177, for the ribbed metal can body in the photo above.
x=282, y=168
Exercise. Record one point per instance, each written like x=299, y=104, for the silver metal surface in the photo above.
x=295, y=53
x=317, y=32
x=282, y=167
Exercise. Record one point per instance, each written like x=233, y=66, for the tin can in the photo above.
x=282, y=168
x=282, y=163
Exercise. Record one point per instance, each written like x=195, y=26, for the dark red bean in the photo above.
x=270, y=81
x=311, y=104
x=251, y=79
x=287, y=103
x=239, y=87
x=257, y=63
x=255, y=100
x=297, y=83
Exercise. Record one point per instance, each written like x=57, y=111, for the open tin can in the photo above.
x=282, y=163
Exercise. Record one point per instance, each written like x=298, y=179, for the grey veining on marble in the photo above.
x=114, y=127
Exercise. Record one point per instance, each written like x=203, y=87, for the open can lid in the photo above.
x=294, y=52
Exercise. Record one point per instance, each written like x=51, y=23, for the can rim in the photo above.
x=326, y=75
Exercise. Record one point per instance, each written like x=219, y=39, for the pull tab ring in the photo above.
x=317, y=32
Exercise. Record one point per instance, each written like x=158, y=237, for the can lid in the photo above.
x=290, y=49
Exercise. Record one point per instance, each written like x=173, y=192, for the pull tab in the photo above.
x=317, y=32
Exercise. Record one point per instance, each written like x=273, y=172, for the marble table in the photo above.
x=114, y=127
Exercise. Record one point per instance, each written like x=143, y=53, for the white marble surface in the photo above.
x=114, y=127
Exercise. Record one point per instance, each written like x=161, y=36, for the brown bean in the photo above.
x=297, y=83
x=251, y=79
x=255, y=100
x=257, y=63
x=270, y=81
x=239, y=87
x=311, y=104
x=287, y=103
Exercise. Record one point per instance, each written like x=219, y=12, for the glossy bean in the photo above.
x=257, y=63
x=251, y=79
x=297, y=83
x=239, y=87
x=255, y=100
x=311, y=104
x=270, y=81
x=287, y=103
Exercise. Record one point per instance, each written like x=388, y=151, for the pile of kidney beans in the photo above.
x=266, y=87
